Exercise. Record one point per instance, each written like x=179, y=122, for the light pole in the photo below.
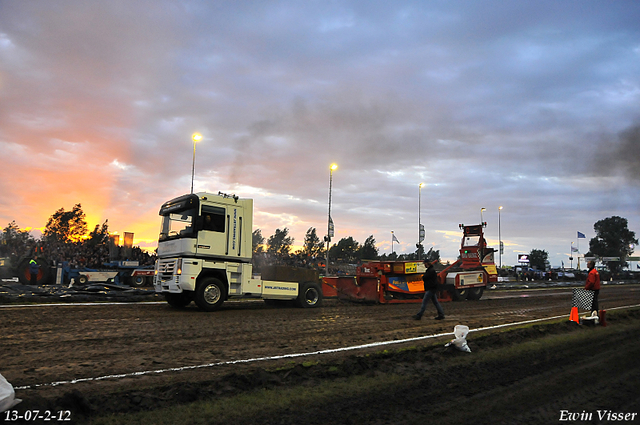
x=481, y=220
x=196, y=137
x=500, y=234
x=330, y=230
x=420, y=228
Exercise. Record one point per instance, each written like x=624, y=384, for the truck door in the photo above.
x=212, y=231
x=221, y=232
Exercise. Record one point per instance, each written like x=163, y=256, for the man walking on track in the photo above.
x=593, y=284
x=430, y=279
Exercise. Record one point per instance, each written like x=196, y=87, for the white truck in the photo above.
x=204, y=255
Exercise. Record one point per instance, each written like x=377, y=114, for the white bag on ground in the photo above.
x=460, y=332
x=7, y=395
x=593, y=318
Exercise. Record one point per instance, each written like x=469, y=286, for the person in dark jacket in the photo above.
x=430, y=280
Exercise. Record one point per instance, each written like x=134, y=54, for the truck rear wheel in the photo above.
x=178, y=300
x=210, y=294
x=475, y=293
x=310, y=295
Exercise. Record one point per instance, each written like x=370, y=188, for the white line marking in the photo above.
x=290, y=356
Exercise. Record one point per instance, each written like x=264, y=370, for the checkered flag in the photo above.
x=582, y=298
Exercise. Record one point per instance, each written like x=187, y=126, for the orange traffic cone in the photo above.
x=574, y=315
x=603, y=322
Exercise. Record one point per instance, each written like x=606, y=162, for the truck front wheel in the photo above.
x=210, y=294
x=310, y=295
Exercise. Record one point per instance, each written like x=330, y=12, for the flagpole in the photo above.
x=578, y=252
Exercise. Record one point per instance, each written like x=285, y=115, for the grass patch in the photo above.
x=256, y=403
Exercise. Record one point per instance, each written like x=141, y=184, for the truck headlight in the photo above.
x=179, y=266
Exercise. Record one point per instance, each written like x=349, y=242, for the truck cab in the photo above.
x=204, y=255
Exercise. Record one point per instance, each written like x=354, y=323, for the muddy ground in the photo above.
x=44, y=348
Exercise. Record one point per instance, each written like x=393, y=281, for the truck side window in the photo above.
x=213, y=218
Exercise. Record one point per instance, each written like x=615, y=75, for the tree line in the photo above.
x=277, y=249
x=67, y=230
x=613, y=240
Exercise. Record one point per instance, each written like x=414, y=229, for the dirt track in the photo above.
x=48, y=344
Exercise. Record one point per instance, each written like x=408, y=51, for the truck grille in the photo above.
x=167, y=271
x=167, y=266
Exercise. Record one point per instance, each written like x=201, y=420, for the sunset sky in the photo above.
x=529, y=105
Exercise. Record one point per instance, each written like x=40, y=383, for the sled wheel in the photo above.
x=458, y=294
x=475, y=293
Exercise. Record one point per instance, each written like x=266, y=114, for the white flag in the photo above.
x=394, y=239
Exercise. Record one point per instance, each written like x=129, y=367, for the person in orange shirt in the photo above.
x=593, y=284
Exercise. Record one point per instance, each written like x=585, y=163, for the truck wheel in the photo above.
x=458, y=294
x=82, y=280
x=475, y=293
x=138, y=281
x=310, y=295
x=210, y=294
x=178, y=300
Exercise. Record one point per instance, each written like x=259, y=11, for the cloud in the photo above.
x=532, y=106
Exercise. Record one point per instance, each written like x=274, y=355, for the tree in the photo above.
x=313, y=246
x=99, y=235
x=66, y=226
x=538, y=259
x=613, y=239
x=279, y=243
x=432, y=254
x=368, y=250
x=419, y=251
x=14, y=242
x=257, y=241
x=346, y=250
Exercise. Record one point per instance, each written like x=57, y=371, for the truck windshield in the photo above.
x=178, y=225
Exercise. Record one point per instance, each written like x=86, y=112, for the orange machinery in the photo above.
x=387, y=282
